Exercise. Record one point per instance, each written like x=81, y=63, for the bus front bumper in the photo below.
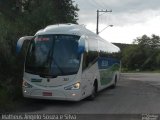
x=69, y=95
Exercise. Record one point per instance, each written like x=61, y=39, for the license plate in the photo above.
x=47, y=93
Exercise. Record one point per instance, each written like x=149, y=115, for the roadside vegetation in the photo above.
x=143, y=55
x=19, y=18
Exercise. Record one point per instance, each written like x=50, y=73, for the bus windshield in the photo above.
x=53, y=55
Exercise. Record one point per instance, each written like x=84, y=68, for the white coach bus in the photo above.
x=68, y=62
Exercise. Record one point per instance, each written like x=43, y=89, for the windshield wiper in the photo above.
x=58, y=65
x=51, y=58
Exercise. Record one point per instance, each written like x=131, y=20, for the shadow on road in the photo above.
x=32, y=105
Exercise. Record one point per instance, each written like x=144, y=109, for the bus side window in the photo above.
x=85, y=61
x=89, y=58
x=92, y=56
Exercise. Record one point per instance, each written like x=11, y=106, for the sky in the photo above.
x=130, y=18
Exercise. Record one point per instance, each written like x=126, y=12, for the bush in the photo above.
x=13, y=24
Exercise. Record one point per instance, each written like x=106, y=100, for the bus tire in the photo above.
x=94, y=91
x=115, y=82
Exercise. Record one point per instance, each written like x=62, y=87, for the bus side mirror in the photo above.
x=81, y=45
x=20, y=43
x=81, y=50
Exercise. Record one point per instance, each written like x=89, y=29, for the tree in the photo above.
x=158, y=60
x=145, y=41
x=59, y=11
x=19, y=18
x=143, y=54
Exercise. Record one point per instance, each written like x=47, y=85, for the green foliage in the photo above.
x=40, y=13
x=158, y=59
x=143, y=54
x=20, y=18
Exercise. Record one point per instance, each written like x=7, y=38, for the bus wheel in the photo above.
x=94, y=92
x=115, y=82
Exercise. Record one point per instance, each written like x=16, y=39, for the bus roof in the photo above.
x=72, y=29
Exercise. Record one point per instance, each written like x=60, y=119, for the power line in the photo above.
x=100, y=11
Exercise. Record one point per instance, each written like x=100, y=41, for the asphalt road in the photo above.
x=136, y=93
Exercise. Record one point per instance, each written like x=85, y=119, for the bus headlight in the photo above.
x=26, y=85
x=75, y=86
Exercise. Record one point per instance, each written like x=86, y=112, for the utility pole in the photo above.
x=99, y=11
